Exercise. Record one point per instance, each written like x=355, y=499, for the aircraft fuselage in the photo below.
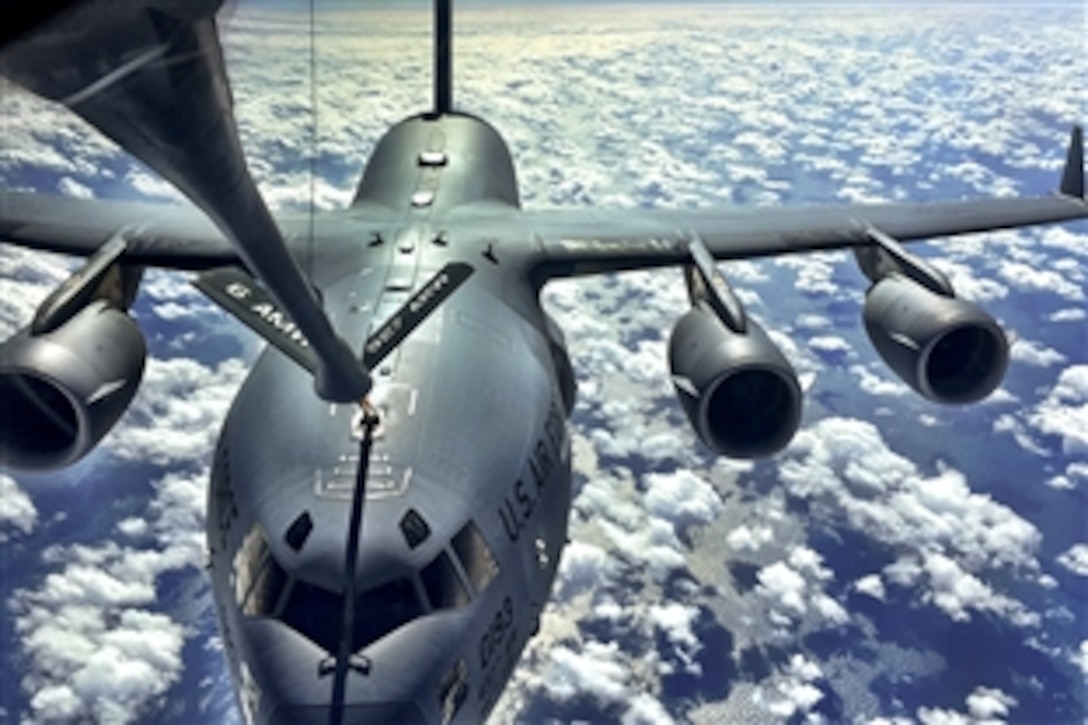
x=468, y=485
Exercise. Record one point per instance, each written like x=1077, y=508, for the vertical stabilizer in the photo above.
x=1073, y=174
x=443, y=54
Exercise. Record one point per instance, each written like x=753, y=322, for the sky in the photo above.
x=899, y=560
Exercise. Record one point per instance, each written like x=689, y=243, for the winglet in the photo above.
x=1073, y=174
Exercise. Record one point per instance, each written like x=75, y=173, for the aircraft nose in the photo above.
x=398, y=713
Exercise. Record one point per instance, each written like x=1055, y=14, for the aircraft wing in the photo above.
x=577, y=242
x=573, y=242
x=160, y=235
x=169, y=235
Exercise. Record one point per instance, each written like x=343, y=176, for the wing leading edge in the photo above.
x=568, y=242
x=172, y=236
x=588, y=241
x=158, y=235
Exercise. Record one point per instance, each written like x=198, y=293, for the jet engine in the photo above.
x=64, y=389
x=947, y=349
x=738, y=390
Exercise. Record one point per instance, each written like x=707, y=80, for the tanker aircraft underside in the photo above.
x=373, y=557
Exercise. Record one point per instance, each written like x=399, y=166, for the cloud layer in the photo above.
x=693, y=589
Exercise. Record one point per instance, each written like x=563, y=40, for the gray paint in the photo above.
x=466, y=400
x=474, y=401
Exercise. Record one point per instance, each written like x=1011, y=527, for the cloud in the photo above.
x=1027, y=278
x=17, y=511
x=969, y=283
x=1076, y=474
x=675, y=620
x=1068, y=314
x=28, y=277
x=582, y=568
x=647, y=527
x=97, y=648
x=988, y=703
x=1080, y=659
x=793, y=591
x=1064, y=412
x=71, y=187
x=596, y=670
x=811, y=321
x=749, y=539
x=1075, y=559
x=814, y=273
x=1032, y=353
x=1010, y=423
x=871, y=585
x=811, y=121
x=109, y=672
x=783, y=587
x=945, y=535
x=793, y=692
x=1065, y=239
x=874, y=384
x=831, y=348
x=937, y=716
x=176, y=415
x=681, y=497
x=69, y=149
x=90, y=630
x=955, y=591
x=984, y=705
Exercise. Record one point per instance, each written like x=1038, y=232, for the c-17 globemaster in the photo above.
x=390, y=491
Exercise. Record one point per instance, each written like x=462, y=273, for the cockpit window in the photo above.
x=442, y=583
x=248, y=560
x=382, y=609
x=317, y=613
x=258, y=579
x=266, y=590
x=476, y=557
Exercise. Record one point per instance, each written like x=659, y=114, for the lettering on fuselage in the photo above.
x=525, y=493
x=496, y=634
x=497, y=649
x=226, y=508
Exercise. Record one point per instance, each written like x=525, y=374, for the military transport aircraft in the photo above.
x=383, y=549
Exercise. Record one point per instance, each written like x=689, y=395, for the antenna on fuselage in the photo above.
x=443, y=56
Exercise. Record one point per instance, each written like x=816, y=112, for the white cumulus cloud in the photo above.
x=1064, y=411
x=1032, y=353
x=17, y=510
x=1075, y=559
x=97, y=648
x=951, y=534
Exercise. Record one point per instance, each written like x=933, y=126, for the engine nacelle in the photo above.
x=947, y=349
x=738, y=390
x=63, y=390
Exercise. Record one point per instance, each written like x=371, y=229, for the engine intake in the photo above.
x=947, y=349
x=738, y=390
x=65, y=389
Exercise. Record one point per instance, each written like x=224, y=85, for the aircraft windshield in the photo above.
x=317, y=613
x=263, y=589
x=475, y=556
x=258, y=579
